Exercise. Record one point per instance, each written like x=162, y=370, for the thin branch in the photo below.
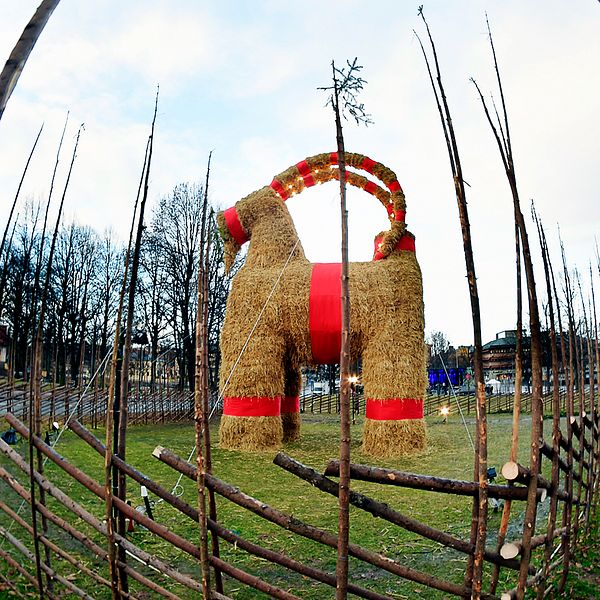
x=345, y=91
x=506, y=128
x=499, y=141
x=10, y=214
x=474, y=573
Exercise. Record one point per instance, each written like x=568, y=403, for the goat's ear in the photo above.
x=230, y=246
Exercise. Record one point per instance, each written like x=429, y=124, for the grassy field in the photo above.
x=449, y=454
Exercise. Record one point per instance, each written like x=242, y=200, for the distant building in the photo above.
x=499, y=355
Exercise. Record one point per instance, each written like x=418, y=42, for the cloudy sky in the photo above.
x=240, y=78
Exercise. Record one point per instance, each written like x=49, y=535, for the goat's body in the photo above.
x=378, y=295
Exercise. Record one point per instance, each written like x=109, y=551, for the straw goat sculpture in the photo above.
x=284, y=312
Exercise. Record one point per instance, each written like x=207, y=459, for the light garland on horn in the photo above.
x=321, y=168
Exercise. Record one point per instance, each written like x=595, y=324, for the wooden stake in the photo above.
x=113, y=409
x=20, y=53
x=200, y=390
x=504, y=521
x=344, y=511
x=474, y=572
x=124, y=389
x=505, y=148
x=426, y=482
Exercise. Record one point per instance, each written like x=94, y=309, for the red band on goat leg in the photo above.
x=394, y=409
x=235, y=227
x=290, y=404
x=277, y=187
x=251, y=406
x=325, y=313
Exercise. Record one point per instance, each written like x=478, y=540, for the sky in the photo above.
x=240, y=79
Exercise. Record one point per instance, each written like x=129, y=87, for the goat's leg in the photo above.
x=252, y=385
x=290, y=402
x=394, y=380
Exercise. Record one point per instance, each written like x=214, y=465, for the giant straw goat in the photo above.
x=284, y=312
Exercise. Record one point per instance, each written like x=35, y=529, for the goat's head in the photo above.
x=263, y=208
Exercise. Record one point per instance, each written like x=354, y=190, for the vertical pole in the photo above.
x=212, y=505
x=516, y=405
x=474, y=571
x=568, y=509
x=555, y=416
x=199, y=403
x=344, y=479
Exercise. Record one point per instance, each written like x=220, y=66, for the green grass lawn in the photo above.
x=449, y=454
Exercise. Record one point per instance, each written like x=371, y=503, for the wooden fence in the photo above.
x=163, y=405
x=571, y=489
x=171, y=405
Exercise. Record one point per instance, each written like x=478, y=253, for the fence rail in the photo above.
x=171, y=405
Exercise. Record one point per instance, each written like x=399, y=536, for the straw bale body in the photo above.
x=268, y=335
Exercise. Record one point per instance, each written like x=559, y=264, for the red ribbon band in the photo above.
x=276, y=185
x=325, y=313
x=370, y=187
x=368, y=164
x=290, y=404
x=398, y=216
x=394, y=409
x=252, y=406
x=303, y=168
x=406, y=242
x=232, y=221
x=306, y=173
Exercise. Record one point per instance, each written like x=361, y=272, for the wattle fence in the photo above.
x=168, y=404
x=74, y=540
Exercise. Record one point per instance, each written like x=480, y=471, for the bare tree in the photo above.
x=62, y=281
x=20, y=297
x=176, y=226
x=153, y=285
x=105, y=295
x=82, y=269
x=439, y=349
x=9, y=220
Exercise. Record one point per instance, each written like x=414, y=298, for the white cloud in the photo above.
x=166, y=45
